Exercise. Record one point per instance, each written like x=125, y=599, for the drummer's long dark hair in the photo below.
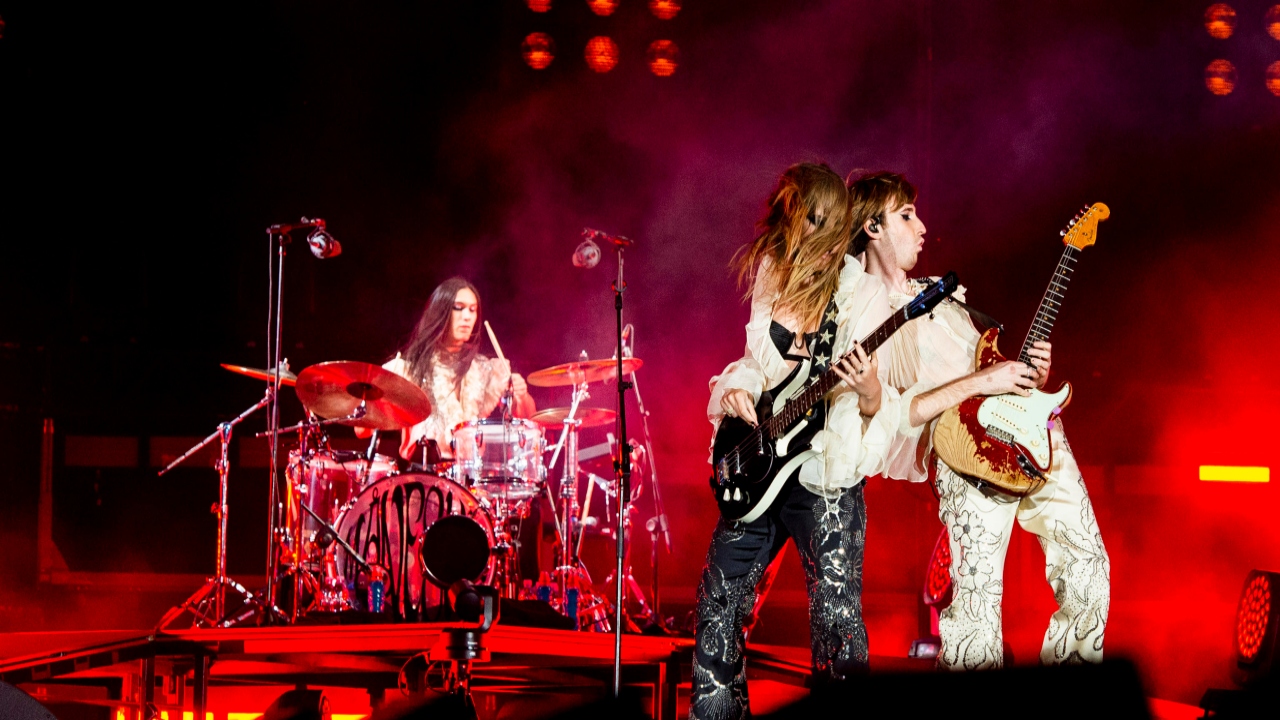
x=431, y=331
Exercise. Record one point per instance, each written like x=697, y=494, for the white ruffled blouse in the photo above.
x=850, y=448
x=925, y=353
x=482, y=387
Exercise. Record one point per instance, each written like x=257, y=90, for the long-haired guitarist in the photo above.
x=932, y=362
x=809, y=303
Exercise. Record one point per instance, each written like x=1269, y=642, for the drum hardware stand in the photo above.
x=209, y=604
x=446, y=667
x=656, y=525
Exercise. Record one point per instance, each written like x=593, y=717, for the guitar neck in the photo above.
x=1051, y=303
x=815, y=391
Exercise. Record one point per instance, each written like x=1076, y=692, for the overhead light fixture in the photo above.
x=664, y=58
x=1220, y=77
x=601, y=54
x=1220, y=21
x=538, y=50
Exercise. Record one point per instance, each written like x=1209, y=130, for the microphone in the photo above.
x=618, y=240
x=587, y=254
x=322, y=244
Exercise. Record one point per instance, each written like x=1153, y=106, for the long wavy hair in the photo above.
x=804, y=270
x=432, y=330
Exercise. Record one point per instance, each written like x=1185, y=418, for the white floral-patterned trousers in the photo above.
x=979, y=524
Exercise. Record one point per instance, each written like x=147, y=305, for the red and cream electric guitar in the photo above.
x=1003, y=440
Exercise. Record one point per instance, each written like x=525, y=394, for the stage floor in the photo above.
x=234, y=674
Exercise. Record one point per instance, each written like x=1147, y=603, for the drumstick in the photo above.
x=493, y=339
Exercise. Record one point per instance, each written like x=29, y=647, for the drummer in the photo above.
x=443, y=357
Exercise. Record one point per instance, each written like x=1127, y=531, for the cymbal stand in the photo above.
x=656, y=525
x=209, y=604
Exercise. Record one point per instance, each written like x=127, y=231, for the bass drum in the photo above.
x=387, y=524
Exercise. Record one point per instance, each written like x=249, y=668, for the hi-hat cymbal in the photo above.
x=335, y=389
x=286, y=377
x=587, y=416
x=576, y=373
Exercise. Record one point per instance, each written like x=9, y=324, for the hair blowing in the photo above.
x=872, y=195
x=804, y=268
x=432, y=330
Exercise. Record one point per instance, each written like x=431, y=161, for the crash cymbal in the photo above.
x=576, y=373
x=286, y=378
x=589, y=416
x=335, y=389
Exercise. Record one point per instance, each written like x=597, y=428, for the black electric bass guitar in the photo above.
x=751, y=464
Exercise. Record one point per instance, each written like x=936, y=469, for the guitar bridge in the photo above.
x=1001, y=435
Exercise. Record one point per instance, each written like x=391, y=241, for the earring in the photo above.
x=874, y=225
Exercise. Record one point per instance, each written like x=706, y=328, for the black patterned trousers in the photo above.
x=829, y=537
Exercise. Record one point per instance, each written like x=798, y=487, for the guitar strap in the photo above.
x=821, y=350
x=982, y=320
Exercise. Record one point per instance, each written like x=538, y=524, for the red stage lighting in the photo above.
x=1273, y=21
x=538, y=50
x=1220, y=77
x=1220, y=21
x=1273, y=78
x=937, y=579
x=539, y=6
x=1255, y=639
x=664, y=9
x=603, y=8
x=601, y=54
x=664, y=57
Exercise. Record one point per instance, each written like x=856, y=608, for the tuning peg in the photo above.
x=1062, y=233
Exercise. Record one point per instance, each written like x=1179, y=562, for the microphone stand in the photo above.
x=278, y=238
x=623, y=469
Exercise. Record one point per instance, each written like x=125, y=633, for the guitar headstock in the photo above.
x=1082, y=231
x=929, y=298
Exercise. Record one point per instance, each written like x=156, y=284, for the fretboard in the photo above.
x=1042, y=325
x=816, y=390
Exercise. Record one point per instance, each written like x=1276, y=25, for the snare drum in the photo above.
x=500, y=460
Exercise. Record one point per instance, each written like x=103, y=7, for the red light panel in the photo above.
x=937, y=579
x=1273, y=22
x=1220, y=21
x=1220, y=77
x=1273, y=78
x=538, y=50
x=601, y=54
x=1252, y=617
x=664, y=58
x=664, y=9
x=603, y=8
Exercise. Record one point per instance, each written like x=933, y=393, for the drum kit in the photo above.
x=365, y=532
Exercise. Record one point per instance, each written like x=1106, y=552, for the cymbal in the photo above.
x=335, y=389
x=576, y=373
x=286, y=378
x=588, y=416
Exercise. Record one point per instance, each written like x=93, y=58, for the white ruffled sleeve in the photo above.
x=853, y=447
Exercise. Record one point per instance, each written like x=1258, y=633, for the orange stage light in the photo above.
x=664, y=9
x=1220, y=21
x=1220, y=77
x=1273, y=21
x=603, y=7
x=1273, y=78
x=664, y=57
x=539, y=6
x=601, y=54
x=538, y=50
x=1232, y=473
